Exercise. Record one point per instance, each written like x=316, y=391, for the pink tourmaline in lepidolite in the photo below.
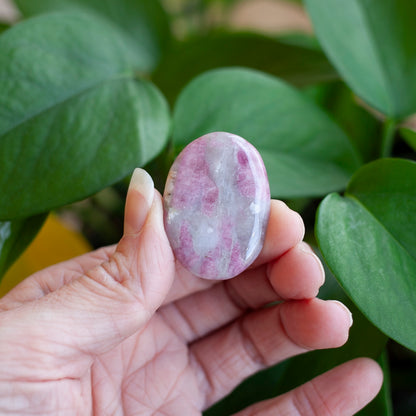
x=216, y=205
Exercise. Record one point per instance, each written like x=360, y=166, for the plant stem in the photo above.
x=389, y=130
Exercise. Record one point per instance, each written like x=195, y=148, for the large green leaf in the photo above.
x=297, y=64
x=144, y=22
x=305, y=153
x=371, y=43
x=73, y=117
x=368, y=238
x=15, y=236
x=364, y=340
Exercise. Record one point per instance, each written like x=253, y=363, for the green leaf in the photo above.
x=371, y=43
x=410, y=137
x=368, y=239
x=296, y=64
x=15, y=236
x=73, y=118
x=143, y=22
x=305, y=153
x=364, y=340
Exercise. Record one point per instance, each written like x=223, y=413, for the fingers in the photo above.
x=96, y=311
x=263, y=338
x=194, y=316
x=297, y=274
x=285, y=230
x=342, y=391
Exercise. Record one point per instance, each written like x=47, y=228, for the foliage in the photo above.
x=84, y=93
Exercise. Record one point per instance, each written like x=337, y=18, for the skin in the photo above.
x=127, y=331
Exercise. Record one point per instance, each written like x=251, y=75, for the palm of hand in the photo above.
x=147, y=374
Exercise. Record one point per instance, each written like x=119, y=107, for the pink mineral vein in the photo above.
x=216, y=205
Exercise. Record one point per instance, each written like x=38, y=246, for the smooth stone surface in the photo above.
x=217, y=205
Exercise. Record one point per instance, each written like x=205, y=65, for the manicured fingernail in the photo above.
x=142, y=182
x=345, y=309
x=308, y=250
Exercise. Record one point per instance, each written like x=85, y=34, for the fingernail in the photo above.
x=308, y=250
x=142, y=182
x=342, y=306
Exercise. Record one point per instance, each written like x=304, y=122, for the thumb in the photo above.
x=94, y=313
x=143, y=261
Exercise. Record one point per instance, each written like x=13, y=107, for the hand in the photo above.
x=126, y=331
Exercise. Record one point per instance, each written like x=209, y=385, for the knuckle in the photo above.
x=309, y=400
x=251, y=346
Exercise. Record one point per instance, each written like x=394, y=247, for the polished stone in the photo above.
x=216, y=205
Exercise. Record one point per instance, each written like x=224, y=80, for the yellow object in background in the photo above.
x=54, y=243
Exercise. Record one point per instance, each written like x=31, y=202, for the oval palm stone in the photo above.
x=217, y=205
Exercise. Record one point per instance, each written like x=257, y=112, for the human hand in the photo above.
x=126, y=331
